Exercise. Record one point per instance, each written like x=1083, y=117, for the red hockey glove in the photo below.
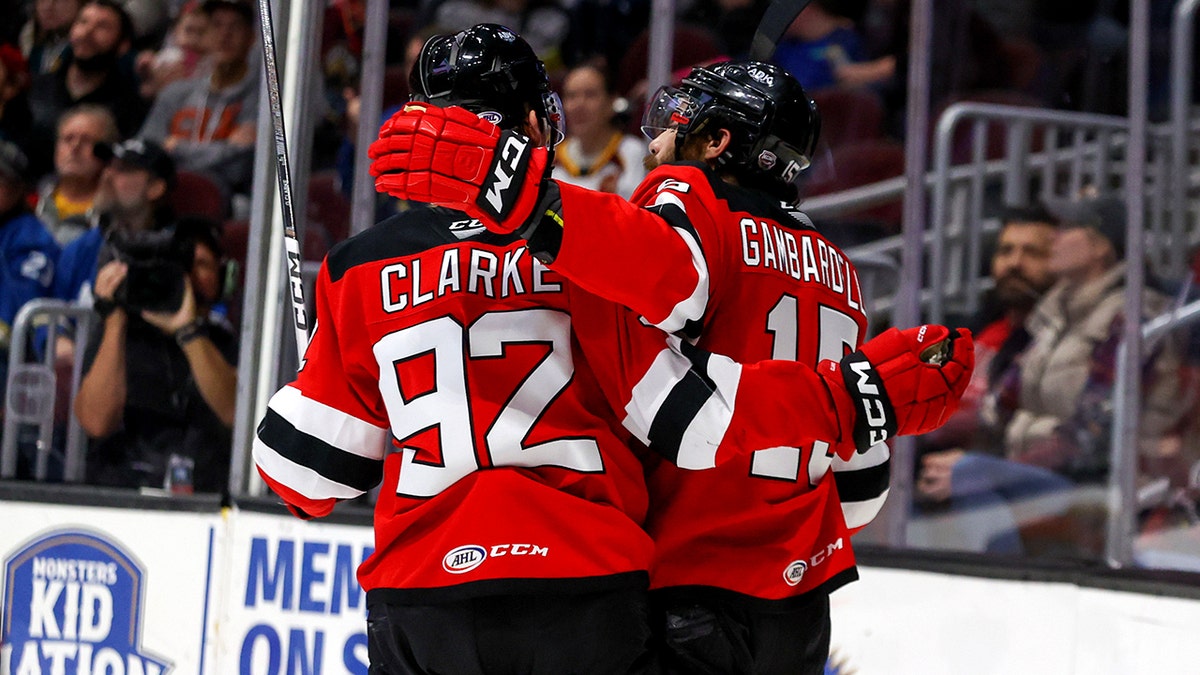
x=907, y=382
x=453, y=158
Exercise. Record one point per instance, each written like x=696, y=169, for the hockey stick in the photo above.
x=779, y=15
x=284, y=175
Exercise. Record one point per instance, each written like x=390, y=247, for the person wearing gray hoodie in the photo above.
x=207, y=122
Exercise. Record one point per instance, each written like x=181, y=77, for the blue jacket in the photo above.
x=29, y=256
x=815, y=63
x=77, y=266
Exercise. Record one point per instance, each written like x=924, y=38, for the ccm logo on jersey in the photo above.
x=466, y=558
x=508, y=167
x=876, y=421
x=795, y=570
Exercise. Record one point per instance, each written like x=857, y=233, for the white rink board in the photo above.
x=899, y=622
x=247, y=593
x=292, y=599
x=171, y=556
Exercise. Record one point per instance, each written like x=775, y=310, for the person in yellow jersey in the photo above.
x=596, y=154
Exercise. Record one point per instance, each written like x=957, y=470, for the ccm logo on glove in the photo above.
x=509, y=165
x=905, y=382
x=877, y=419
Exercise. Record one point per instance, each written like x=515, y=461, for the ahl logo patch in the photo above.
x=73, y=599
x=491, y=116
x=463, y=559
x=794, y=572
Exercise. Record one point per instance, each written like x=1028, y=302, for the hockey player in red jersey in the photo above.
x=510, y=523
x=747, y=554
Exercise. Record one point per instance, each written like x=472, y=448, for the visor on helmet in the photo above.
x=671, y=109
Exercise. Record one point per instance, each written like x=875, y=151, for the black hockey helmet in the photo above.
x=491, y=71
x=773, y=123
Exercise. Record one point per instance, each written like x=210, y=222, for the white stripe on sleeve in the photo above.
x=698, y=448
x=326, y=423
x=651, y=391
x=299, y=478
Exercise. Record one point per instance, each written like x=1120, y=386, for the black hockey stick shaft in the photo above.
x=283, y=174
x=779, y=15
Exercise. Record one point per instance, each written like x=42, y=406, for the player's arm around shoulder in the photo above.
x=622, y=249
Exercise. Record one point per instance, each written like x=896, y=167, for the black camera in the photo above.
x=155, y=280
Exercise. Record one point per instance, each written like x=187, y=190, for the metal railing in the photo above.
x=1181, y=126
x=1122, y=487
x=1047, y=153
x=32, y=386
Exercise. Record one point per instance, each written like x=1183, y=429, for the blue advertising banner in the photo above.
x=73, y=603
x=294, y=603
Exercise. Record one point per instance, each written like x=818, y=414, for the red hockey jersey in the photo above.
x=512, y=471
x=498, y=382
x=747, y=278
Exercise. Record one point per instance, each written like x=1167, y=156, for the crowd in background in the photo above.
x=123, y=119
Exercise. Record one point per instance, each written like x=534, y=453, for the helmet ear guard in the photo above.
x=773, y=123
x=554, y=124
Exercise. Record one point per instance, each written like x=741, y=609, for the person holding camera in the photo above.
x=158, y=392
x=134, y=194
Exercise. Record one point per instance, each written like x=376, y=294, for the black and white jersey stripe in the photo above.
x=687, y=315
x=682, y=406
x=862, y=483
x=316, y=450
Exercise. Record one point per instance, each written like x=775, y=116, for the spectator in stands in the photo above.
x=967, y=53
x=65, y=196
x=90, y=74
x=385, y=205
x=971, y=443
x=14, y=86
x=596, y=154
x=208, y=122
x=134, y=196
x=29, y=252
x=160, y=379
x=180, y=54
x=1084, y=46
x=1067, y=373
x=1020, y=273
x=823, y=48
x=1063, y=384
x=44, y=37
x=341, y=48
